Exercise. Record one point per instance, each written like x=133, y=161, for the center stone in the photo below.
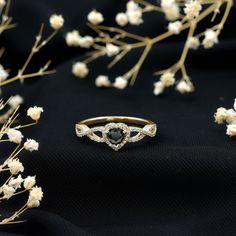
x=116, y=135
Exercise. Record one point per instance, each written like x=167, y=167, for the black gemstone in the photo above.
x=115, y=136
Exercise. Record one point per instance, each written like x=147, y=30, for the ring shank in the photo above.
x=125, y=119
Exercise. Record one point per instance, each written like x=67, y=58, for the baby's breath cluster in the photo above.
x=56, y=22
x=116, y=42
x=12, y=169
x=227, y=116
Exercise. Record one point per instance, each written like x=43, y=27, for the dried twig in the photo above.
x=14, y=184
x=114, y=41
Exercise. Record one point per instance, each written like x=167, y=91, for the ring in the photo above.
x=115, y=131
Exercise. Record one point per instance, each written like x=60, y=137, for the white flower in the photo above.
x=35, y=196
x=8, y=191
x=231, y=130
x=158, y=88
x=36, y=193
x=134, y=13
x=73, y=38
x=15, y=166
x=192, y=9
x=35, y=112
x=15, y=101
x=220, y=115
x=168, y=79
x=167, y=3
x=135, y=17
x=56, y=21
x=112, y=49
x=3, y=73
x=193, y=43
x=122, y=19
x=172, y=13
x=230, y=116
x=80, y=70
x=16, y=182
x=211, y=38
x=95, y=17
x=31, y=145
x=29, y=182
x=120, y=82
x=14, y=136
x=175, y=27
x=102, y=81
x=132, y=6
x=171, y=9
x=184, y=87
x=86, y=42
x=2, y=3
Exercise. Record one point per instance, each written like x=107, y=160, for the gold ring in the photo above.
x=115, y=131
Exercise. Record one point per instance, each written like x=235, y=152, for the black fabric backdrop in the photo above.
x=181, y=183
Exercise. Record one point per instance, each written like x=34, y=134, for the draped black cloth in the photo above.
x=181, y=183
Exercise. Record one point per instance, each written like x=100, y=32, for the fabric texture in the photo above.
x=183, y=182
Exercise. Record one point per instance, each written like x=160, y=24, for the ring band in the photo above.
x=116, y=131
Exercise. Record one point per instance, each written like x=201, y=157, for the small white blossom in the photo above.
x=56, y=21
x=14, y=136
x=231, y=130
x=16, y=182
x=211, y=38
x=217, y=9
x=31, y=145
x=167, y=3
x=134, y=13
x=120, y=82
x=122, y=19
x=73, y=38
x=34, y=112
x=193, y=43
x=168, y=79
x=175, y=27
x=2, y=3
x=230, y=116
x=171, y=9
x=184, y=87
x=3, y=73
x=192, y=9
x=80, y=70
x=15, y=166
x=132, y=6
x=29, y=182
x=158, y=88
x=35, y=196
x=135, y=17
x=15, y=101
x=8, y=191
x=112, y=49
x=102, y=81
x=172, y=13
x=220, y=115
x=5, y=18
x=86, y=41
x=95, y=17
